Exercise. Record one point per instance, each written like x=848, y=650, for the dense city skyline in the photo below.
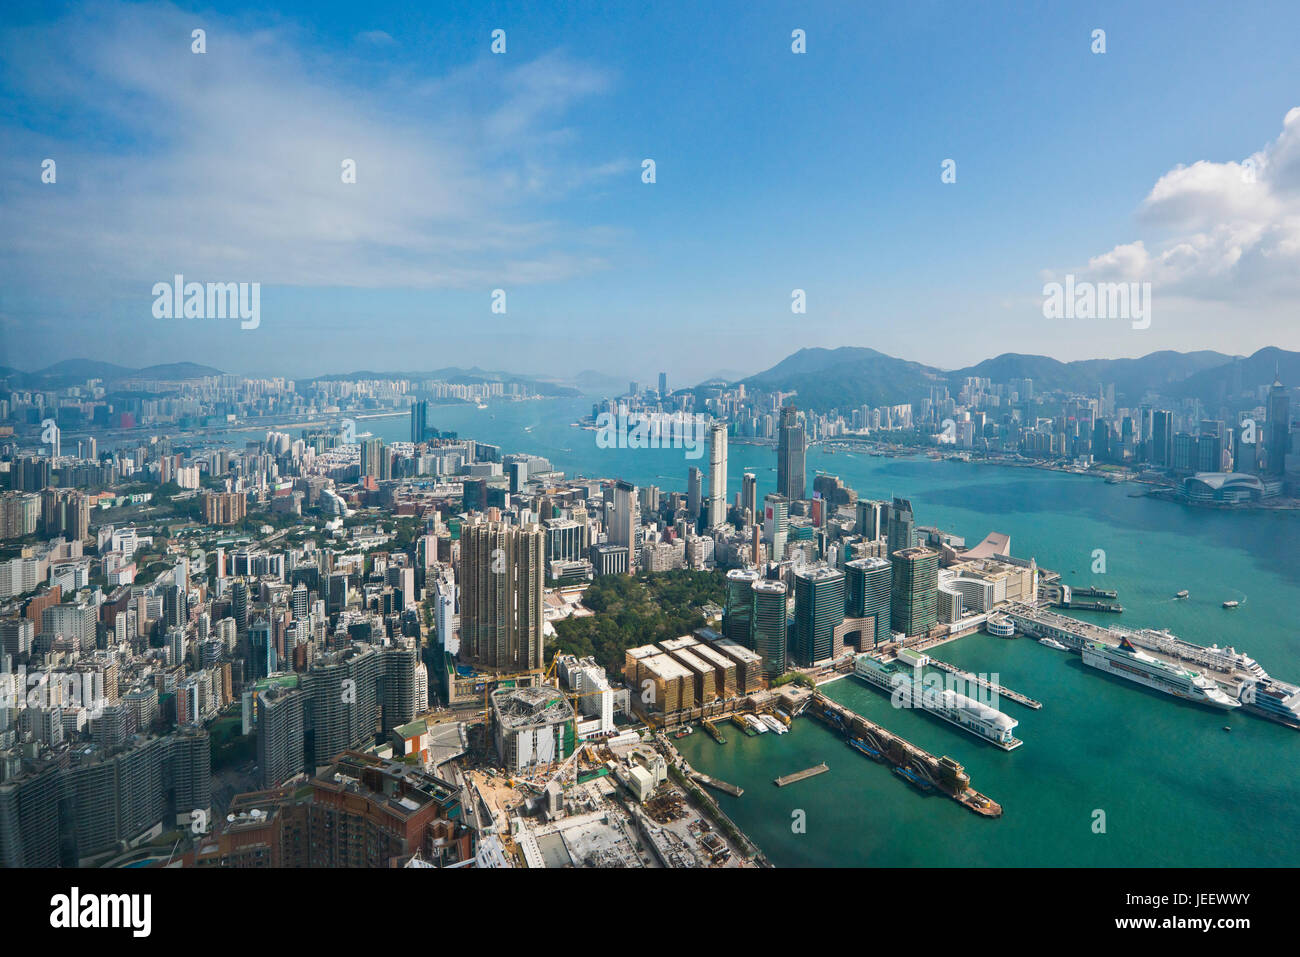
x=595, y=436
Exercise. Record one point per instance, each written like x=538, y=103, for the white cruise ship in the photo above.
x=1126, y=661
x=966, y=713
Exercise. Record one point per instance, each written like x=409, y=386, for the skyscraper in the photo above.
x=749, y=495
x=694, y=493
x=281, y=751
x=902, y=526
x=374, y=458
x=738, y=613
x=868, y=585
x=717, y=474
x=913, y=594
x=768, y=636
x=872, y=523
x=818, y=611
x=790, y=452
x=1279, y=427
x=623, y=515
x=776, y=524
x=663, y=385
x=1162, y=438
x=419, y=421
x=501, y=582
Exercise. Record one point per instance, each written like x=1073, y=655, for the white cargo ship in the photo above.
x=966, y=713
x=1126, y=661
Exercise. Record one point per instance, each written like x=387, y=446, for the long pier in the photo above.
x=812, y=772
x=944, y=773
x=988, y=686
x=716, y=784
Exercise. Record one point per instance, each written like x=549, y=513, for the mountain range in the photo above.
x=848, y=377
x=72, y=372
x=825, y=379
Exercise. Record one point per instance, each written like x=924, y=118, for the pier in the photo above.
x=988, y=686
x=797, y=776
x=945, y=774
x=1074, y=634
x=1091, y=592
x=716, y=784
x=1090, y=606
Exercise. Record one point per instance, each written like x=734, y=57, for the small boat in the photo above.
x=1227, y=727
x=1052, y=643
x=1231, y=604
x=1181, y=594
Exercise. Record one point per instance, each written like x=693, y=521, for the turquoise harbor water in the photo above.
x=1176, y=789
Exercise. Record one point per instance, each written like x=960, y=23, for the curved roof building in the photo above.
x=1223, y=487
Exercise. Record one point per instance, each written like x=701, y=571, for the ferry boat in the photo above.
x=1052, y=643
x=683, y=732
x=1126, y=661
x=966, y=713
x=754, y=723
x=773, y=723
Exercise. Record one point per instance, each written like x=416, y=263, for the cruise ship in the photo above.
x=1126, y=661
x=966, y=713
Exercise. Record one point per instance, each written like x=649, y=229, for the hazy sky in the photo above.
x=522, y=171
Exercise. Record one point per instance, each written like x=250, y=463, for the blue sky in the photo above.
x=522, y=171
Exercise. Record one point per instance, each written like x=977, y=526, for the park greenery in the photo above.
x=632, y=611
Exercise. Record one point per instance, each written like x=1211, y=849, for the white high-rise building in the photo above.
x=717, y=475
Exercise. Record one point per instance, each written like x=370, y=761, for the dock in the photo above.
x=946, y=775
x=1090, y=606
x=1091, y=592
x=738, y=720
x=812, y=772
x=988, y=686
x=716, y=784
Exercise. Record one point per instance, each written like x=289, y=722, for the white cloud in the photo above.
x=227, y=165
x=1219, y=232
